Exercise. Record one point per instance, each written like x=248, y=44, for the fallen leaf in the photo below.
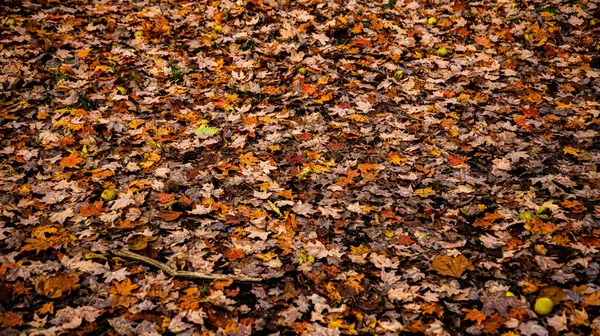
x=168, y=215
x=71, y=161
x=452, y=266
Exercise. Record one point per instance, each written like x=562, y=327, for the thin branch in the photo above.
x=182, y=274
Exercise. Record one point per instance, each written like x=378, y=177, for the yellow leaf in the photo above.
x=83, y=53
x=424, y=192
x=395, y=158
x=136, y=123
x=573, y=151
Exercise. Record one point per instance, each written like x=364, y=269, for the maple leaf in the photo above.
x=396, y=159
x=11, y=319
x=452, y=266
x=71, y=161
x=123, y=288
x=456, y=160
x=474, y=315
x=235, y=254
x=92, y=209
x=492, y=323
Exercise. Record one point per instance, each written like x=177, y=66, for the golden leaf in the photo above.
x=424, y=192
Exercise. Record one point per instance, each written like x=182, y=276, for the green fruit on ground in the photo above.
x=398, y=74
x=10, y=22
x=302, y=71
x=218, y=29
x=527, y=37
x=442, y=52
x=108, y=195
x=432, y=21
x=510, y=294
x=543, y=306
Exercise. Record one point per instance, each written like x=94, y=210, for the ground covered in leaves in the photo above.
x=383, y=167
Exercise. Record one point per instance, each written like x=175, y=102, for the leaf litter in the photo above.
x=426, y=167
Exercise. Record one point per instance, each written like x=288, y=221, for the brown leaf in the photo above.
x=138, y=242
x=452, y=266
x=492, y=324
x=169, y=215
x=555, y=294
x=56, y=286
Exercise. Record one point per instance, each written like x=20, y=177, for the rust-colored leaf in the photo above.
x=235, y=254
x=92, y=209
x=169, y=215
x=11, y=319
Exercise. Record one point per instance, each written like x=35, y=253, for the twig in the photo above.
x=183, y=274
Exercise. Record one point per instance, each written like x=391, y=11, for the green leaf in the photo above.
x=205, y=130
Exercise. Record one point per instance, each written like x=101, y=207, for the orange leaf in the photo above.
x=308, y=89
x=405, y=240
x=530, y=112
x=452, y=266
x=221, y=284
x=286, y=193
x=83, y=53
x=365, y=167
x=92, y=209
x=71, y=161
x=10, y=319
x=249, y=159
x=169, y=215
x=235, y=254
x=165, y=198
x=123, y=288
x=456, y=160
x=520, y=120
x=474, y=315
